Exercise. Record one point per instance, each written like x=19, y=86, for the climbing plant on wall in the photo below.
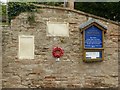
x=15, y=8
x=3, y=13
x=50, y=3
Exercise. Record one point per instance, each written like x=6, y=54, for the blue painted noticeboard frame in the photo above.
x=93, y=37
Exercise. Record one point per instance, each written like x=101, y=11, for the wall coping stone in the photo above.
x=79, y=12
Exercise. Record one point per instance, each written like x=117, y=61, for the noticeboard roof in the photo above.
x=90, y=21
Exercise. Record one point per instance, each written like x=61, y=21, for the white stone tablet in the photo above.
x=57, y=29
x=26, y=47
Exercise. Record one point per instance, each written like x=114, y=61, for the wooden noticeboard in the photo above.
x=93, y=42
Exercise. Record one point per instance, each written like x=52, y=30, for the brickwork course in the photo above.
x=44, y=70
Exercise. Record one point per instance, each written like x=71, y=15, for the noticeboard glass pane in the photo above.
x=93, y=37
x=93, y=54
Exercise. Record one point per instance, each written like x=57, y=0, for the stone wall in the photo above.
x=44, y=70
x=0, y=57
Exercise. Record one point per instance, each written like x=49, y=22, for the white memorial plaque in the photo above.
x=57, y=29
x=93, y=55
x=26, y=47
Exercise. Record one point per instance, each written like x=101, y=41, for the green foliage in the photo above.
x=31, y=18
x=15, y=8
x=50, y=3
x=3, y=13
x=109, y=10
x=3, y=10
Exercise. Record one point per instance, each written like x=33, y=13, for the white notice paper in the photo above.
x=92, y=55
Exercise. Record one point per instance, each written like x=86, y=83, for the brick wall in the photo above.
x=44, y=70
